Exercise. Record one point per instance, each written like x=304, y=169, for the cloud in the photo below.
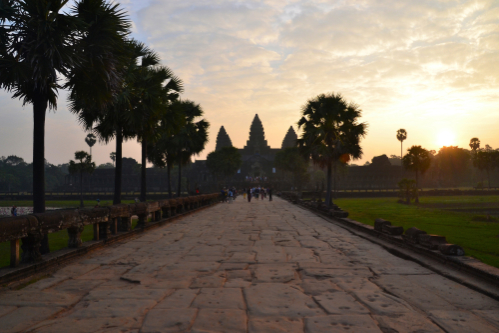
x=421, y=65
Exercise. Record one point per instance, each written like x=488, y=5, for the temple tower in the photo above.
x=257, y=143
x=223, y=139
x=290, y=139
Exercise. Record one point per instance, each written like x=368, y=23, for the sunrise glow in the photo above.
x=446, y=138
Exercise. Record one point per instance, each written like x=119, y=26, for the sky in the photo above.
x=430, y=67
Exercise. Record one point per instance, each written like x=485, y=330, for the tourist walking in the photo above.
x=231, y=196
x=270, y=193
x=262, y=193
x=244, y=193
x=13, y=211
x=248, y=192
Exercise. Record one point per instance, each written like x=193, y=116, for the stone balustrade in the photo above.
x=106, y=221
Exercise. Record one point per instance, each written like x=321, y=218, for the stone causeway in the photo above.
x=246, y=267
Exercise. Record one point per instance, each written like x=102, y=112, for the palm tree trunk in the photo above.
x=401, y=166
x=417, y=187
x=329, y=201
x=39, y=109
x=143, y=178
x=40, y=104
x=119, y=167
x=81, y=189
x=334, y=178
x=168, y=174
x=179, y=191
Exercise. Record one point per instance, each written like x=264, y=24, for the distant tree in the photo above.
x=331, y=133
x=224, y=163
x=291, y=162
x=106, y=166
x=408, y=190
x=90, y=140
x=113, y=157
x=14, y=160
x=474, y=144
x=486, y=160
x=452, y=164
x=418, y=160
x=82, y=165
x=401, y=136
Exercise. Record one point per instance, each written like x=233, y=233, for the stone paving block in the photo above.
x=78, y=287
x=168, y=320
x=275, y=325
x=101, y=325
x=382, y=303
x=339, y=302
x=207, y=258
x=24, y=317
x=274, y=272
x=216, y=298
x=461, y=322
x=335, y=324
x=271, y=257
x=242, y=243
x=407, y=322
x=37, y=298
x=352, y=283
x=336, y=272
x=241, y=257
x=176, y=274
x=232, y=266
x=263, y=243
x=239, y=274
x=276, y=299
x=111, y=308
x=153, y=294
x=237, y=283
x=195, y=266
x=211, y=281
x=318, y=287
x=454, y=293
x=287, y=243
x=179, y=299
x=105, y=273
x=220, y=321
x=299, y=254
x=492, y=316
x=4, y=309
x=45, y=283
x=412, y=292
x=76, y=269
x=408, y=268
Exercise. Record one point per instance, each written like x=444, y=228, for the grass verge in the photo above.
x=479, y=239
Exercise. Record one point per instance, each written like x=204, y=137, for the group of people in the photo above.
x=255, y=179
x=258, y=192
x=228, y=194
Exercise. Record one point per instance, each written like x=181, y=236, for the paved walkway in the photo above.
x=247, y=267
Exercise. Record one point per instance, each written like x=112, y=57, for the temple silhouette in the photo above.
x=257, y=156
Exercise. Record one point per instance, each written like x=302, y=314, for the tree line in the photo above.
x=117, y=87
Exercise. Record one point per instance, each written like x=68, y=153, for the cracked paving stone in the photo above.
x=337, y=324
x=220, y=321
x=24, y=317
x=461, y=322
x=168, y=320
x=339, y=302
x=275, y=325
x=179, y=299
x=226, y=298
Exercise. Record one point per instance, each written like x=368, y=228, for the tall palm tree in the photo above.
x=331, y=133
x=90, y=139
x=157, y=87
x=475, y=147
x=191, y=138
x=82, y=165
x=41, y=44
x=418, y=160
x=401, y=136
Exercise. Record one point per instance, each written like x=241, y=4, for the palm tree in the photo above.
x=90, y=140
x=112, y=156
x=475, y=144
x=83, y=165
x=401, y=136
x=331, y=133
x=41, y=44
x=418, y=160
x=191, y=138
x=157, y=87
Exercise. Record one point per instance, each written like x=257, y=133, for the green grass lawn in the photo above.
x=479, y=239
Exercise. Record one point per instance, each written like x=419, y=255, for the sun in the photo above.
x=446, y=138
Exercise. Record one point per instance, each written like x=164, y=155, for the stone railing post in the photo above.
x=74, y=234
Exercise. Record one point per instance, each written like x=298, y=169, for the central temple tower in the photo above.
x=256, y=145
